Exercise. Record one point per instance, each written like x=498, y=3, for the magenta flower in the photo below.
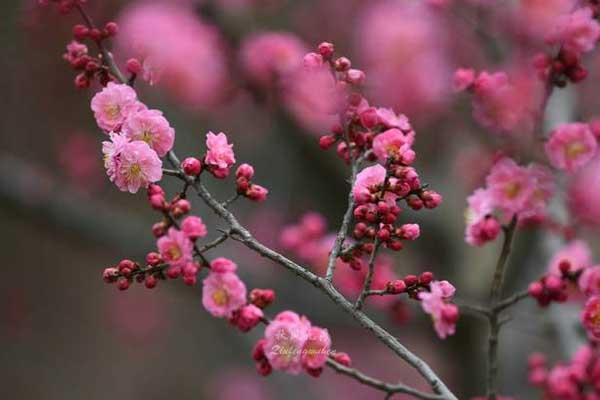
x=113, y=105
x=285, y=338
x=436, y=303
x=392, y=143
x=316, y=348
x=193, y=227
x=571, y=146
x=151, y=127
x=219, y=154
x=223, y=293
x=175, y=248
x=577, y=32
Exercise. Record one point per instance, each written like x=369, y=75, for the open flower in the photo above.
x=577, y=32
x=223, y=293
x=395, y=144
x=316, y=348
x=285, y=338
x=590, y=317
x=510, y=185
x=150, y=126
x=436, y=303
x=175, y=248
x=113, y=105
x=219, y=154
x=131, y=165
x=571, y=146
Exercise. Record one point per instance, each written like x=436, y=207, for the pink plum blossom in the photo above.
x=175, y=248
x=390, y=119
x=247, y=317
x=131, y=165
x=366, y=180
x=571, y=146
x=174, y=44
x=269, y=56
x=316, y=348
x=590, y=317
x=393, y=143
x=482, y=227
x=219, y=154
x=222, y=265
x=577, y=32
x=193, y=227
x=510, y=185
x=436, y=303
x=589, y=281
x=113, y=105
x=223, y=293
x=285, y=338
x=584, y=194
x=151, y=127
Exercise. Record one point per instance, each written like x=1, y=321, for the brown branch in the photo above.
x=369, y=278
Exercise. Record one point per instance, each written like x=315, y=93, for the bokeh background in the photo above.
x=64, y=334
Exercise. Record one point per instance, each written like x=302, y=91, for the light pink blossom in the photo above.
x=113, y=105
x=590, y=317
x=219, y=154
x=571, y=146
x=223, y=293
x=285, y=338
x=390, y=119
x=131, y=165
x=366, y=181
x=463, y=79
x=151, y=127
x=436, y=303
x=577, y=32
x=175, y=248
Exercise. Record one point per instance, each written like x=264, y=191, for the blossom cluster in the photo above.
x=511, y=191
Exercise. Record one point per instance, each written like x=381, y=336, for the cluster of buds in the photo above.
x=554, y=288
x=576, y=379
x=411, y=285
x=77, y=55
x=245, y=187
x=559, y=70
x=128, y=271
x=248, y=316
x=64, y=6
x=171, y=210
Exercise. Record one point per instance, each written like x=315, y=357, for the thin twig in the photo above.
x=369, y=278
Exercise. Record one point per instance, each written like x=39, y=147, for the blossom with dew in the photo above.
x=152, y=127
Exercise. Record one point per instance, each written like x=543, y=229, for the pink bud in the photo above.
x=369, y=118
x=173, y=272
x=245, y=171
x=313, y=60
x=111, y=28
x=257, y=193
x=191, y=166
x=134, y=66
x=150, y=281
x=410, y=231
x=355, y=76
x=153, y=189
x=262, y=298
x=342, y=358
x=342, y=64
x=326, y=141
x=80, y=32
x=396, y=287
x=535, y=289
x=426, y=278
x=123, y=284
x=157, y=202
x=153, y=259
x=109, y=275
x=326, y=50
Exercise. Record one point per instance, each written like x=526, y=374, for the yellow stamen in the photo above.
x=220, y=297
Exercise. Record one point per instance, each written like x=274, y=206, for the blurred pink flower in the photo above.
x=510, y=186
x=589, y=281
x=571, y=146
x=590, y=317
x=401, y=46
x=577, y=32
x=193, y=227
x=577, y=253
x=393, y=143
x=269, y=56
x=177, y=49
x=584, y=194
